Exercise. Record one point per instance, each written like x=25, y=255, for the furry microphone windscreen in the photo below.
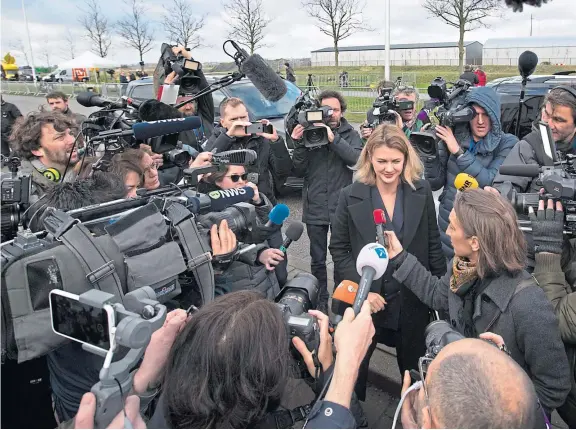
x=153, y=110
x=271, y=86
x=517, y=5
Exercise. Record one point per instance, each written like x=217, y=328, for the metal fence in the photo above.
x=418, y=61
x=352, y=80
x=112, y=91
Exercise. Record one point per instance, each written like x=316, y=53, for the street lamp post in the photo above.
x=29, y=43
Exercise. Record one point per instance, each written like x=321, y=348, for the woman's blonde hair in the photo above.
x=392, y=137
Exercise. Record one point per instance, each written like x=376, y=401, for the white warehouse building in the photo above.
x=403, y=54
x=552, y=50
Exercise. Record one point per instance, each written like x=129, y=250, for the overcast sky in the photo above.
x=291, y=34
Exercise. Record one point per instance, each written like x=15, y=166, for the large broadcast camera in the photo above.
x=15, y=197
x=185, y=69
x=386, y=108
x=306, y=112
x=451, y=112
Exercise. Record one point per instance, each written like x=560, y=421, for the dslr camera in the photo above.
x=452, y=111
x=385, y=108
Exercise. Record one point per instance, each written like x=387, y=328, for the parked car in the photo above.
x=536, y=89
x=25, y=74
x=258, y=108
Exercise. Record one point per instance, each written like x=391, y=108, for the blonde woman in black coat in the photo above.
x=387, y=177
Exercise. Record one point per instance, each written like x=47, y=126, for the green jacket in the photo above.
x=553, y=277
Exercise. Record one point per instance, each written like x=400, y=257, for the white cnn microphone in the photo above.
x=371, y=265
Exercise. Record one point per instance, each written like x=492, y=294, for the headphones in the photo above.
x=49, y=173
x=566, y=88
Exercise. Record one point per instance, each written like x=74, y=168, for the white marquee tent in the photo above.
x=87, y=60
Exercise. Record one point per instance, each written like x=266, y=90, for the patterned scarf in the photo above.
x=464, y=273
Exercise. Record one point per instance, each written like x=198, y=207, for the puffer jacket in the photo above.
x=273, y=157
x=559, y=283
x=481, y=160
x=326, y=170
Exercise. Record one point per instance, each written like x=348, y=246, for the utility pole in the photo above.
x=387, y=40
x=531, y=19
x=29, y=43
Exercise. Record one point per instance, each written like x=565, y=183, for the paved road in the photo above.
x=384, y=387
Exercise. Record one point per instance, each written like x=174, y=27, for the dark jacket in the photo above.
x=482, y=162
x=529, y=151
x=470, y=77
x=290, y=74
x=273, y=158
x=78, y=117
x=524, y=318
x=326, y=170
x=559, y=284
x=353, y=227
x=40, y=184
x=9, y=114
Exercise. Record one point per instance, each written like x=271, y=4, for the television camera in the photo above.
x=306, y=112
x=451, y=111
x=386, y=108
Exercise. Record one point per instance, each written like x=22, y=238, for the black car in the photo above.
x=258, y=108
x=536, y=89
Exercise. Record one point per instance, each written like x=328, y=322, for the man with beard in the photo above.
x=58, y=102
x=45, y=144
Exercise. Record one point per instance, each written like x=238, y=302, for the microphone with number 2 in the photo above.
x=371, y=264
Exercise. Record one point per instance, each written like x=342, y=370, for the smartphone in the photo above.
x=191, y=65
x=80, y=322
x=258, y=127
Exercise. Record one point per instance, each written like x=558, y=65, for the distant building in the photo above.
x=403, y=54
x=550, y=49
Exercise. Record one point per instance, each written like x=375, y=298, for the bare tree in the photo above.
x=46, y=53
x=181, y=25
x=465, y=15
x=70, y=48
x=97, y=27
x=248, y=22
x=136, y=30
x=338, y=19
x=18, y=45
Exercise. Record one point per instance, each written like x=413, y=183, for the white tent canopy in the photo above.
x=87, y=60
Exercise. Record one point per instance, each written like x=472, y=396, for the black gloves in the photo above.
x=547, y=229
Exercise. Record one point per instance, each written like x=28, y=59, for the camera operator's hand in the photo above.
x=394, y=246
x=377, y=302
x=170, y=78
x=157, y=351
x=272, y=137
x=328, y=130
x=181, y=50
x=271, y=258
x=399, y=122
x=496, y=339
x=447, y=135
x=222, y=239
x=324, y=353
x=238, y=129
x=492, y=190
x=547, y=227
x=365, y=131
x=256, y=199
x=85, y=416
x=409, y=412
x=204, y=159
x=297, y=133
x=158, y=159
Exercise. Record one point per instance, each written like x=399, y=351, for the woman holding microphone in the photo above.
x=387, y=177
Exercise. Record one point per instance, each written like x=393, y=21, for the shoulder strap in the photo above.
x=535, y=141
x=521, y=285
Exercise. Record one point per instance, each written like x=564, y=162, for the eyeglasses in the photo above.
x=236, y=178
x=150, y=168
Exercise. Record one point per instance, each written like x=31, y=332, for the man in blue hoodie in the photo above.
x=478, y=148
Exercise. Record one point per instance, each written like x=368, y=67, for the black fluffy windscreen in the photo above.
x=518, y=5
x=153, y=110
x=271, y=86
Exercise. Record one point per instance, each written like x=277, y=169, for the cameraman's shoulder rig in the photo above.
x=136, y=252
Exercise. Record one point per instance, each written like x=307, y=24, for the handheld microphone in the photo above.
x=237, y=157
x=267, y=82
x=524, y=170
x=218, y=200
x=278, y=215
x=380, y=220
x=146, y=130
x=293, y=233
x=343, y=297
x=89, y=99
x=371, y=265
x=464, y=181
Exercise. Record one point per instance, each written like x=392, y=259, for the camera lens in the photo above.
x=300, y=294
x=440, y=333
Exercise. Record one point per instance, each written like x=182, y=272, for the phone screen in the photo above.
x=81, y=322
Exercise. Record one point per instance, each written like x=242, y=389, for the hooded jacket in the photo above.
x=273, y=157
x=326, y=170
x=480, y=160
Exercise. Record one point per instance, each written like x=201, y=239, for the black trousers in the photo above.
x=318, y=235
x=391, y=338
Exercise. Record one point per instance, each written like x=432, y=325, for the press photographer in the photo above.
x=326, y=170
x=477, y=148
x=468, y=383
x=237, y=132
x=487, y=289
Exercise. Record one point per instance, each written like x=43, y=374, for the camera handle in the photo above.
x=138, y=317
x=215, y=86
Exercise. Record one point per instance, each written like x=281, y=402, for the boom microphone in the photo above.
x=89, y=99
x=153, y=110
x=146, y=130
x=527, y=63
x=524, y=170
x=464, y=181
x=278, y=215
x=371, y=264
x=293, y=233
